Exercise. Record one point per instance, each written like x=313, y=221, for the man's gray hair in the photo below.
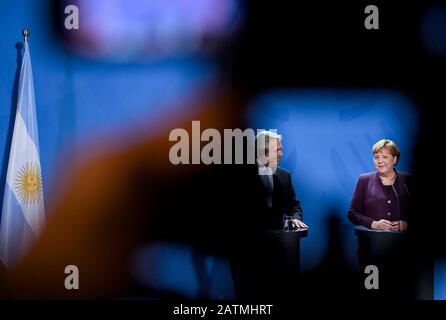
x=268, y=133
x=262, y=140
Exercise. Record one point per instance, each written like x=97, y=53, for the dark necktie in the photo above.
x=267, y=181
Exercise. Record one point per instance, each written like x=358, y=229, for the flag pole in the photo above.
x=25, y=33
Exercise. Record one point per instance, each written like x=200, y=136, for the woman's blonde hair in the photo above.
x=390, y=145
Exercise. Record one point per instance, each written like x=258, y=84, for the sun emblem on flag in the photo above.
x=28, y=183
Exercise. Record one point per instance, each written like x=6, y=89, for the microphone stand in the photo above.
x=398, y=206
x=407, y=190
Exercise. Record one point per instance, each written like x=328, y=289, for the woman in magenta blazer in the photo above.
x=381, y=198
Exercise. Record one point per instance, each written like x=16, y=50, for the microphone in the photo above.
x=398, y=206
x=407, y=190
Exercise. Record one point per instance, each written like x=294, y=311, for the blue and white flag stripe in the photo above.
x=23, y=207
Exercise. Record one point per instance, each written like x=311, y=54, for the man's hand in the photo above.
x=299, y=224
x=400, y=225
x=383, y=225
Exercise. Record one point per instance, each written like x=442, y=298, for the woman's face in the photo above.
x=384, y=161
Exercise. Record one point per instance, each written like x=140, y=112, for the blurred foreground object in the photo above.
x=121, y=200
x=122, y=30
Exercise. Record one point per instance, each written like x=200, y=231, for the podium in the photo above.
x=387, y=250
x=283, y=247
x=270, y=270
x=376, y=245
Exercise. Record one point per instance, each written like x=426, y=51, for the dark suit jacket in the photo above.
x=284, y=201
x=372, y=201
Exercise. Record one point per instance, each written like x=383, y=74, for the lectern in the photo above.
x=388, y=251
x=270, y=270
x=283, y=249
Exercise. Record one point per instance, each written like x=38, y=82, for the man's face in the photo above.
x=275, y=151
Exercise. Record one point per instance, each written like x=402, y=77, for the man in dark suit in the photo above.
x=280, y=197
x=263, y=271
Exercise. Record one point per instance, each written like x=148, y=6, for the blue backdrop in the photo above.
x=327, y=140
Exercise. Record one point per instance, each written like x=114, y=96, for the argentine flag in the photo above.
x=23, y=209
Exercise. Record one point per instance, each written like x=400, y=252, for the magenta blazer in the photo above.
x=372, y=201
